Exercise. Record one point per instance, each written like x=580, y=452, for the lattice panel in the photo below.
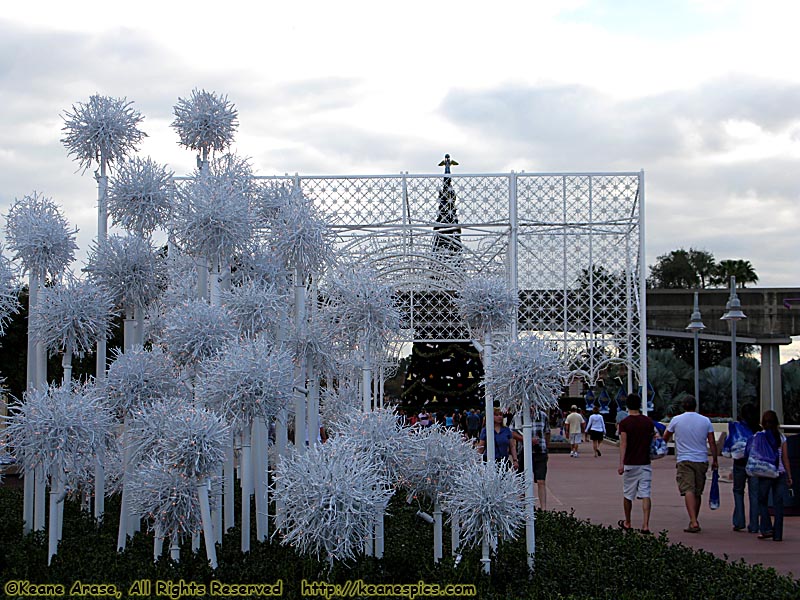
x=576, y=253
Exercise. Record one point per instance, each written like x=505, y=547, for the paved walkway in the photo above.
x=592, y=488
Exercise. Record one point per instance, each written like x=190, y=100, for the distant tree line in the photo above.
x=692, y=268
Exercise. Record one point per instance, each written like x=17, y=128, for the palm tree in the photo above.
x=704, y=265
x=741, y=269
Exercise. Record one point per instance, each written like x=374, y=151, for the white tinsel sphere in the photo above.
x=430, y=460
x=205, y=121
x=9, y=293
x=189, y=438
x=377, y=432
x=139, y=196
x=58, y=428
x=260, y=264
x=487, y=303
x=527, y=371
x=102, y=129
x=166, y=497
x=364, y=304
x=255, y=307
x=138, y=377
x=127, y=266
x=249, y=379
x=300, y=236
x=71, y=317
x=332, y=494
x=485, y=500
x=39, y=236
x=196, y=330
x=213, y=216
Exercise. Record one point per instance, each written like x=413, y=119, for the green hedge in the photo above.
x=575, y=560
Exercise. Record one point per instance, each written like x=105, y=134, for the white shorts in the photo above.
x=575, y=438
x=636, y=481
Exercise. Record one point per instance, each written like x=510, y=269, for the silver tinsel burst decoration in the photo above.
x=213, y=214
x=487, y=303
x=332, y=494
x=430, y=460
x=188, y=438
x=139, y=196
x=255, y=306
x=362, y=303
x=39, y=236
x=527, y=371
x=485, y=501
x=205, y=121
x=128, y=268
x=247, y=380
x=196, y=330
x=102, y=129
x=71, y=317
x=300, y=236
x=138, y=377
x=166, y=497
x=9, y=293
x=58, y=428
x=377, y=433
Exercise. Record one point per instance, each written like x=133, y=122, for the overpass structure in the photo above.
x=773, y=316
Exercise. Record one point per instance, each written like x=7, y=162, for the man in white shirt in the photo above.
x=692, y=432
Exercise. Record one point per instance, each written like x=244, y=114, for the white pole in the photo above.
x=56, y=490
x=122, y=531
x=437, y=531
x=530, y=514
x=208, y=528
x=29, y=489
x=229, y=475
x=485, y=560
x=102, y=236
x=174, y=547
x=247, y=485
x=39, y=512
x=642, y=299
x=66, y=364
x=455, y=536
x=300, y=431
x=488, y=403
x=260, y=443
x=158, y=543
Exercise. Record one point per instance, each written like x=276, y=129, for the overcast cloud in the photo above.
x=702, y=95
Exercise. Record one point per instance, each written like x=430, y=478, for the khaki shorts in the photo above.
x=691, y=477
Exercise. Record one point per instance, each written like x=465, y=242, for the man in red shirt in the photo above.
x=635, y=435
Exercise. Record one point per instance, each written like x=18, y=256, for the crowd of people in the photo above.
x=696, y=450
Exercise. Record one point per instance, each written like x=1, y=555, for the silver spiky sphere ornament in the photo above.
x=138, y=377
x=332, y=494
x=339, y=402
x=255, y=307
x=196, y=330
x=526, y=372
x=300, y=236
x=9, y=292
x=58, y=428
x=139, y=197
x=485, y=501
x=487, y=303
x=429, y=461
x=72, y=316
x=213, y=214
x=128, y=268
x=39, y=236
x=205, y=121
x=377, y=432
x=104, y=128
x=247, y=380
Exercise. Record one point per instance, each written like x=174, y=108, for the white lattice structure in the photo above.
x=571, y=244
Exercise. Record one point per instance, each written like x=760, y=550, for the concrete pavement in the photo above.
x=592, y=488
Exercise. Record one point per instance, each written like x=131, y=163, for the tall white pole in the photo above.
x=488, y=400
x=530, y=514
x=642, y=299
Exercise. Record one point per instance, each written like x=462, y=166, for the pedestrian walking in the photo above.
x=777, y=485
x=748, y=421
x=574, y=424
x=596, y=428
x=635, y=434
x=692, y=432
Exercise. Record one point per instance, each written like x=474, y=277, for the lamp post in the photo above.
x=696, y=326
x=733, y=313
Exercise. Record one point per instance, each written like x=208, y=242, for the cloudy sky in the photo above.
x=704, y=95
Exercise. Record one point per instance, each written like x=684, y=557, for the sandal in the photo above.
x=645, y=532
x=691, y=529
x=765, y=536
x=621, y=524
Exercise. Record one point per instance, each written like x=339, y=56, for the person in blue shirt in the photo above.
x=505, y=448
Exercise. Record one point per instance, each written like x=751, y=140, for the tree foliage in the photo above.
x=693, y=268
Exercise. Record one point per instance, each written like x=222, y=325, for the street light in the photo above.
x=733, y=313
x=696, y=326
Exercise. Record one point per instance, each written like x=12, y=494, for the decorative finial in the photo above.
x=447, y=162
